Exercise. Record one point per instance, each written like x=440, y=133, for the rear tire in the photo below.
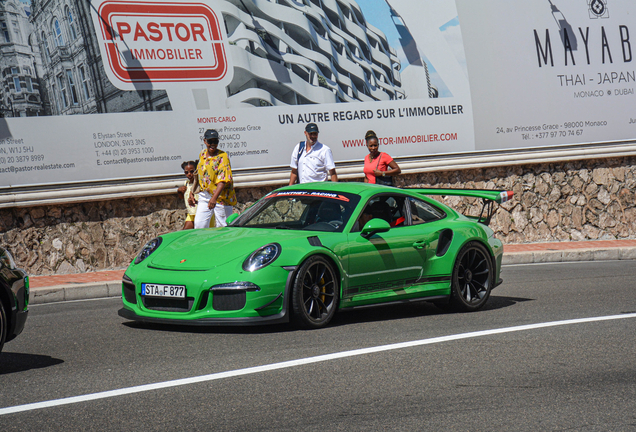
x=472, y=278
x=315, y=293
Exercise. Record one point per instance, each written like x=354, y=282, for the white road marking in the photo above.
x=299, y=362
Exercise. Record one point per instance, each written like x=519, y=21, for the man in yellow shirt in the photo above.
x=215, y=180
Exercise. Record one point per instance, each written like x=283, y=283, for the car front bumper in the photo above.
x=19, y=322
x=205, y=304
x=279, y=318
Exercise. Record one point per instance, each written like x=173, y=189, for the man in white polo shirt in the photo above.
x=312, y=161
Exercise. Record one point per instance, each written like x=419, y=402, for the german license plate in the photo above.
x=156, y=290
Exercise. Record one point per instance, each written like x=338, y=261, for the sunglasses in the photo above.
x=189, y=172
x=213, y=141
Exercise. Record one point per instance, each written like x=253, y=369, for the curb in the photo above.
x=606, y=254
x=60, y=293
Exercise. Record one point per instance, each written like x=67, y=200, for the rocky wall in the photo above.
x=582, y=200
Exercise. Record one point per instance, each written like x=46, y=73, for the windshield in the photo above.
x=300, y=210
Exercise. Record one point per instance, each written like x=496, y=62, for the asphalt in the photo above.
x=107, y=283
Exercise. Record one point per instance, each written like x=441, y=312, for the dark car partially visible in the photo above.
x=14, y=298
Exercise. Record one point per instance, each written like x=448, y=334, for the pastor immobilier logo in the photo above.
x=149, y=42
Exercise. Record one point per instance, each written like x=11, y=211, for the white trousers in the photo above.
x=204, y=214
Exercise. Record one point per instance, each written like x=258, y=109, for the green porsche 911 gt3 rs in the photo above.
x=304, y=251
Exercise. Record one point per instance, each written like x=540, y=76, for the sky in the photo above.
x=453, y=35
x=378, y=14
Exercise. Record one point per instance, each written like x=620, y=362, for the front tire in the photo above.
x=472, y=278
x=315, y=293
x=3, y=326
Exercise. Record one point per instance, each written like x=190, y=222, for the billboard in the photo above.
x=551, y=72
x=123, y=90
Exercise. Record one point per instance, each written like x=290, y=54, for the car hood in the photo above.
x=205, y=249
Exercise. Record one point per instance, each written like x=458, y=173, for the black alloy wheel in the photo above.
x=472, y=277
x=315, y=293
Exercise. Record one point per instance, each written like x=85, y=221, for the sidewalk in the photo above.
x=56, y=288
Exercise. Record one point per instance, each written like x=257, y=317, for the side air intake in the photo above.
x=444, y=242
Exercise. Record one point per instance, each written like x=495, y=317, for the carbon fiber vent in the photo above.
x=314, y=241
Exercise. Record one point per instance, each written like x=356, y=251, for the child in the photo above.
x=190, y=192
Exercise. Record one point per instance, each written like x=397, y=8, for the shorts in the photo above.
x=190, y=218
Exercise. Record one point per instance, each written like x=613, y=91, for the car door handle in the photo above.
x=422, y=244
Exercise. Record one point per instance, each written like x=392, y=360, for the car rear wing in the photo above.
x=488, y=198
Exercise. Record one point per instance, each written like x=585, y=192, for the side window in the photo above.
x=16, y=32
x=71, y=82
x=62, y=83
x=71, y=23
x=422, y=212
x=46, y=46
x=84, y=78
x=387, y=207
x=57, y=32
x=5, y=31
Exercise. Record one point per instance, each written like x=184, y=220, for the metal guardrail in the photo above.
x=67, y=194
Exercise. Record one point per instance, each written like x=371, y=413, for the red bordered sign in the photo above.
x=162, y=42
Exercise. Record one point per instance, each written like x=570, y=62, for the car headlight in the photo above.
x=262, y=257
x=149, y=248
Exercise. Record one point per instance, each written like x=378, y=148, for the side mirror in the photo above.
x=375, y=226
x=231, y=218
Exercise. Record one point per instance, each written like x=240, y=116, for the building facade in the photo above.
x=71, y=68
x=19, y=84
x=284, y=53
x=291, y=52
